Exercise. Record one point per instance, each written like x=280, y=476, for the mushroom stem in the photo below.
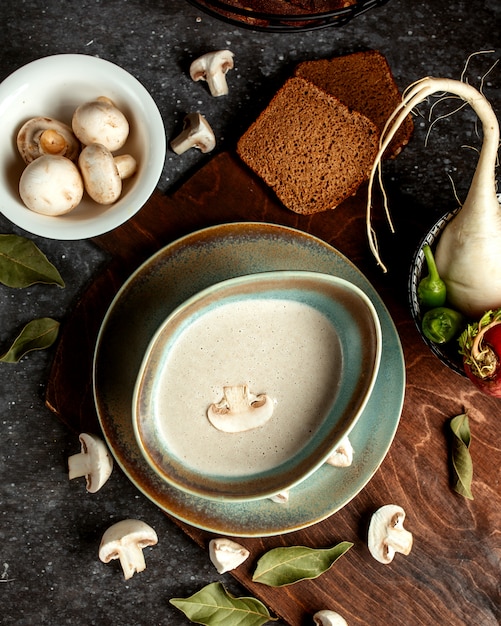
x=52, y=142
x=217, y=84
x=126, y=165
x=79, y=465
x=132, y=560
x=398, y=538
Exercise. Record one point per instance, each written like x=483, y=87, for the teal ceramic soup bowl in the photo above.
x=247, y=387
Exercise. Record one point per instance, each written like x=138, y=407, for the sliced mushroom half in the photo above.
x=387, y=534
x=240, y=410
x=212, y=67
x=196, y=133
x=226, y=555
x=125, y=541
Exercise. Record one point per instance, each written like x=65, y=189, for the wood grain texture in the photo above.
x=452, y=576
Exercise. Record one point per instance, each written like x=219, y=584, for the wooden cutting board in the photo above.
x=452, y=574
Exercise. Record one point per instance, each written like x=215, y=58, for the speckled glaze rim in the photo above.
x=168, y=278
x=354, y=320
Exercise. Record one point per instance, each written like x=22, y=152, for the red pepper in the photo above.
x=480, y=345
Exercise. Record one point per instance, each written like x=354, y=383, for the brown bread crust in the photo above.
x=365, y=83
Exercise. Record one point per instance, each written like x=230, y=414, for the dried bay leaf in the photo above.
x=36, y=335
x=462, y=465
x=214, y=606
x=22, y=263
x=285, y=566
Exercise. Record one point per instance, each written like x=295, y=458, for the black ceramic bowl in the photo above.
x=447, y=353
x=277, y=19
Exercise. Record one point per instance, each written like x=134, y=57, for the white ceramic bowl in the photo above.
x=54, y=86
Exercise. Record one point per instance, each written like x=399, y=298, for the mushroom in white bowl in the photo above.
x=53, y=88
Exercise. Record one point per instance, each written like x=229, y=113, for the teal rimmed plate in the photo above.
x=166, y=280
x=249, y=385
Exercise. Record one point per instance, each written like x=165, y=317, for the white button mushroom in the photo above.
x=239, y=410
x=196, y=133
x=342, y=455
x=100, y=121
x=212, y=67
x=45, y=135
x=282, y=497
x=125, y=541
x=102, y=173
x=51, y=185
x=387, y=534
x=93, y=461
x=329, y=618
x=226, y=554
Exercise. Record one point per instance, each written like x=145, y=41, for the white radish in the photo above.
x=468, y=253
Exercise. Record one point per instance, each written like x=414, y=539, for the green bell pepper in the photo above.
x=442, y=324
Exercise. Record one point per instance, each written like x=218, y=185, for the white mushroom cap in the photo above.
x=212, y=67
x=125, y=541
x=387, y=534
x=226, y=554
x=46, y=135
x=102, y=173
x=196, y=133
x=94, y=462
x=100, y=121
x=51, y=185
x=342, y=455
x=329, y=618
x=239, y=410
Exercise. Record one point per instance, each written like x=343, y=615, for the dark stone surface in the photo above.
x=50, y=528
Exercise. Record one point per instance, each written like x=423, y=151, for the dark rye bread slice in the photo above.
x=365, y=83
x=309, y=147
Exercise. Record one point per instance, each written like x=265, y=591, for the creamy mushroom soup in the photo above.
x=282, y=348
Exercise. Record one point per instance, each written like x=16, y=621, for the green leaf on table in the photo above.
x=214, y=606
x=462, y=466
x=36, y=335
x=22, y=263
x=285, y=566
